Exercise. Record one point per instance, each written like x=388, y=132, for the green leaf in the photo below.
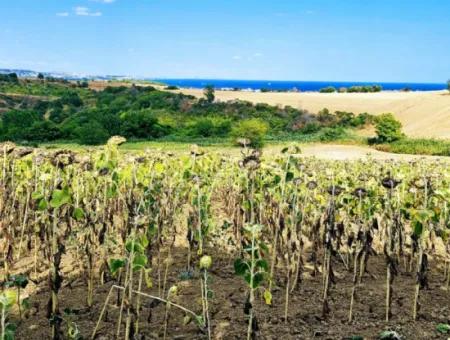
x=26, y=303
x=78, y=214
x=139, y=261
x=417, y=228
x=134, y=246
x=115, y=265
x=262, y=264
x=289, y=176
x=42, y=205
x=37, y=195
x=258, y=278
x=60, y=197
x=19, y=281
x=10, y=330
x=240, y=267
x=443, y=328
x=143, y=240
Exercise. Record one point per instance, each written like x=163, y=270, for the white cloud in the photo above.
x=257, y=54
x=104, y=1
x=62, y=14
x=84, y=11
x=237, y=57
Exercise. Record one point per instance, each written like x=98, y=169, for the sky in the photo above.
x=325, y=40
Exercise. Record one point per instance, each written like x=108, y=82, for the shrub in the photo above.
x=417, y=147
x=253, y=129
x=141, y=124
x=207, y=127
x=448, y=85
x=310, y=128
x=326, y=118
x=10, y=78
x=388, y=128
x=171, y=87
x=209, y=93
x=16, y=123
x=328, y=89
x=43, y=131
x=71, y=99
x=92, y=133
x=331, y=134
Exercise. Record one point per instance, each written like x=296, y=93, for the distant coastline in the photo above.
x=293, y=86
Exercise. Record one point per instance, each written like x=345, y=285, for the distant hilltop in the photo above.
x=61, y=75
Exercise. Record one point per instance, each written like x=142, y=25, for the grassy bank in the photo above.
x=417, y=147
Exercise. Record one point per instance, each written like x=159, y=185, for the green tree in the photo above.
x=388, y=128
x=43, y=131
x=16, y=123
x=448, y=85
x=252, y=129
x=209, y=93
x=141, y=124
x=40, y=76
x=92, y=133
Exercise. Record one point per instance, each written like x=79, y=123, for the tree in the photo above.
x=388, y=128
x=252, y=129
x=448, y=85
x=141, y=124
x=92, y=133
x=209, y=93
x=16, y=123
x=43, y=131
x=13, y=77
x=40, y=76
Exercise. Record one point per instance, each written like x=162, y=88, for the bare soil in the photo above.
x=305, y=319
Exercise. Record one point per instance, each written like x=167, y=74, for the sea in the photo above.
x=303, y=86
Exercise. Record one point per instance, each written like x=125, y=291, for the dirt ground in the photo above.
x=305, y=319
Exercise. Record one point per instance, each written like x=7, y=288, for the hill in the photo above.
x=423, y=114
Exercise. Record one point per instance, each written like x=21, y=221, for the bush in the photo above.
x=9, y=78
x=207, y=127
x=171, y=87
x=16, y=123
x=388, y=128
x=92, y=133
x=417, y=147
x=43, y=131
x=141, y=124
x=328, y=89
x=310, y=128
x=209, y=93
x=253, y=129
x=332, y=134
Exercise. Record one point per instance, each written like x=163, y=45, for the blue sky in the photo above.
x=355, y=40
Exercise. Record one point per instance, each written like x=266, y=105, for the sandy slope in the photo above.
x=423, y=114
